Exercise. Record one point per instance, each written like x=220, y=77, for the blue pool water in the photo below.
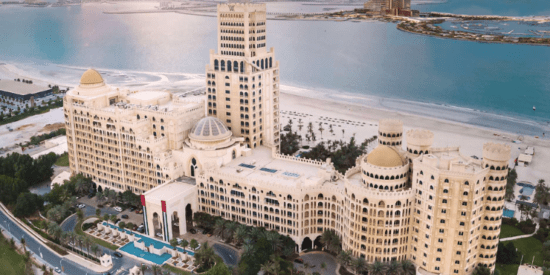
x=527, y=191
x=508, y=213
x=131, y=249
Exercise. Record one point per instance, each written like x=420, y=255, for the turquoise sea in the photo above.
x=367, y=58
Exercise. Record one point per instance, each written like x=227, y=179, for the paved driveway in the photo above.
x=316, y=259
x=69, y=223
x=228, y=254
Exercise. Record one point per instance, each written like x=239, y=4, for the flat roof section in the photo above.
x=171, y=190
x=20, y=88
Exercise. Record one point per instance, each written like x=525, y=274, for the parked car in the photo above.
x=80, y=206
x=133, y=208
x=193, y=231
x=204, y=232
x=124, y=216
x=140, y=211
x=118, y=254
x=158, y=235
x=117, y=208
x=91, y=195
x=117, y=220
x=299, y=260
x=58, y=270
x=140, y=229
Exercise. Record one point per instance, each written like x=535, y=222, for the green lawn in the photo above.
x=10, y=261
x=509, y=231
x=63, y=160
x=529, y=248
x=78, y=230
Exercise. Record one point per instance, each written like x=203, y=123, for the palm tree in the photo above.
x=248, y=248
x=54, y=230
x=81, y=186
x=87, y=243
x=377, y=268
x=272, y=266
x=143, y=268
x=98, y=212
x=326, y=238
x=184, y=243
x=100, y=197
x=230, y=229
x=343, y=131
x=95, y=249
x=156, y=269
x=324, y=266
x=275, y=239
x=80, y=241
x=257, y=233
x=205, y=255
x=194, y=244
x=240, y=233
x=174, y=243
x=219, y=228
x=408, y=267
x=344, y=257
x=359, y=265
x=393, y=268
x=80, y=215
x=23, y=245
x=321, y=129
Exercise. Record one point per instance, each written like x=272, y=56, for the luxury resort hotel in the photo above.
x=219, y=154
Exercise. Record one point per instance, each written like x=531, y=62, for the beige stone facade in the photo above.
x=243, y=76
x=434, y=206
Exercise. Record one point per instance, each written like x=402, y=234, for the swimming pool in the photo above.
x=508, y=213
x=526, y=191
x=131, y=249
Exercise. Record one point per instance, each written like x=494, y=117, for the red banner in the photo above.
x=142, y=200
x=163, y=204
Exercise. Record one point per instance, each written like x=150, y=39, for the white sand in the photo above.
x=469, y=138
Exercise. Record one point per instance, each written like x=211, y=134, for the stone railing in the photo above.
x=299, y=160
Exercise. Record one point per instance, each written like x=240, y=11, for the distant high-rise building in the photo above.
x=243, y=76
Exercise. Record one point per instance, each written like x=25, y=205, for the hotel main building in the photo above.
x=219, y=154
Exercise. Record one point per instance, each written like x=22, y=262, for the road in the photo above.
x=70, y=223
x=40, y=251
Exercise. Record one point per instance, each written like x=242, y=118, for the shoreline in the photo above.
x=64, y=75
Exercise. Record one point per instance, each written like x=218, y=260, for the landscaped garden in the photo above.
x=509, y=231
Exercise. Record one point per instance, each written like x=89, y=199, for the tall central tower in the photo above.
x=242, y=78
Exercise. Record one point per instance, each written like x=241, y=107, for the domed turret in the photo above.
x=384, y=156
x=91, y=78
x=209, y=130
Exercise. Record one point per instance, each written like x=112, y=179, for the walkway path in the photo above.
x=316, y=258
x=521, y=236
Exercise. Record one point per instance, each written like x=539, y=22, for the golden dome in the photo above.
x=91, y=77
x=384, y=156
